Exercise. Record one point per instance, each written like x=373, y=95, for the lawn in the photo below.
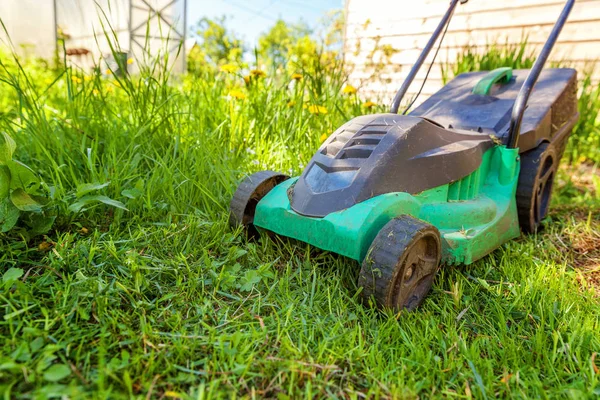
x=140, y=288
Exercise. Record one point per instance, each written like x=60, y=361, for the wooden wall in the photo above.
x=406, y=25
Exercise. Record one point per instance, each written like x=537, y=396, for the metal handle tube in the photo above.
x=417, y=66
x=521, y=101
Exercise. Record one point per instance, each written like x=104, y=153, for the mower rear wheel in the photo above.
x=249, y=192
x=534, y=190
x=401, y=263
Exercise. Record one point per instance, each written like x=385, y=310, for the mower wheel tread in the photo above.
x=401, y=263
x=249, y=192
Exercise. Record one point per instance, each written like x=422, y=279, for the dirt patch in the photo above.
x=580, y=235
x=582, y=242
x=586, y=248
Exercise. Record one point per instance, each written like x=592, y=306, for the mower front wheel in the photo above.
x=401, y=263
x=245, y=199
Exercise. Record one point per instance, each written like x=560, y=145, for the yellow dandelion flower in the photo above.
x=87, y=78
x=257, y=73
x=291, y=103
x=247, y=79
x=349, y=89
x=48, y=81
x=130, y=61
x=237, y=94
x=297, y=77
x=76, y=79
x=316, y=109
x=369, y=104
x=229, y=68
x=95, y=92
x=108, y=72
x=109, y=89
x=44, y=246
x=324, y=137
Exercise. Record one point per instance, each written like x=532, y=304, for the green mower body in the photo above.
x=474, y=215
x=446, y=164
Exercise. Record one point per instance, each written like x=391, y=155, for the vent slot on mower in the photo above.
x=352, y=144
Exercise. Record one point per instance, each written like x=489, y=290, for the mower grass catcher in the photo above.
x=446, y=184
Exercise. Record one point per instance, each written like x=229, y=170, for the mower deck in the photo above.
x=474, y=215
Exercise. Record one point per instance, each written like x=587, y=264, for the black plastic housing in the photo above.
x=383, y=153
x=552, y=104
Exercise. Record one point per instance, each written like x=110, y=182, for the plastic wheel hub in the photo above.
x=401, y=264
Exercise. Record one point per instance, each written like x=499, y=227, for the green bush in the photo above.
x=96, y=140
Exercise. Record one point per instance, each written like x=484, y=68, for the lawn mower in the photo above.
x=445, y=184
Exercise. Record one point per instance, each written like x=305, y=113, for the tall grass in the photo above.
x=72, y=128
x=585, y=142
x=493, y=56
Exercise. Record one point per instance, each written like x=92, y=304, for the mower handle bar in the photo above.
x=417, y=66
x=521, y=101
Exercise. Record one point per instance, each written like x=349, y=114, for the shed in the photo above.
x=139, y=29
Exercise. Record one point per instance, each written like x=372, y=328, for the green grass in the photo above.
x=164, y=299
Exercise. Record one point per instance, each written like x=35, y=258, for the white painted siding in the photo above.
x=406, y=25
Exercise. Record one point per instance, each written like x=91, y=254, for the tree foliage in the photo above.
x=290, y=47
x=216, y=44
x=286, y=43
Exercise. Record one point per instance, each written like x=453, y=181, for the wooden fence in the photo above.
x=401, y=28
